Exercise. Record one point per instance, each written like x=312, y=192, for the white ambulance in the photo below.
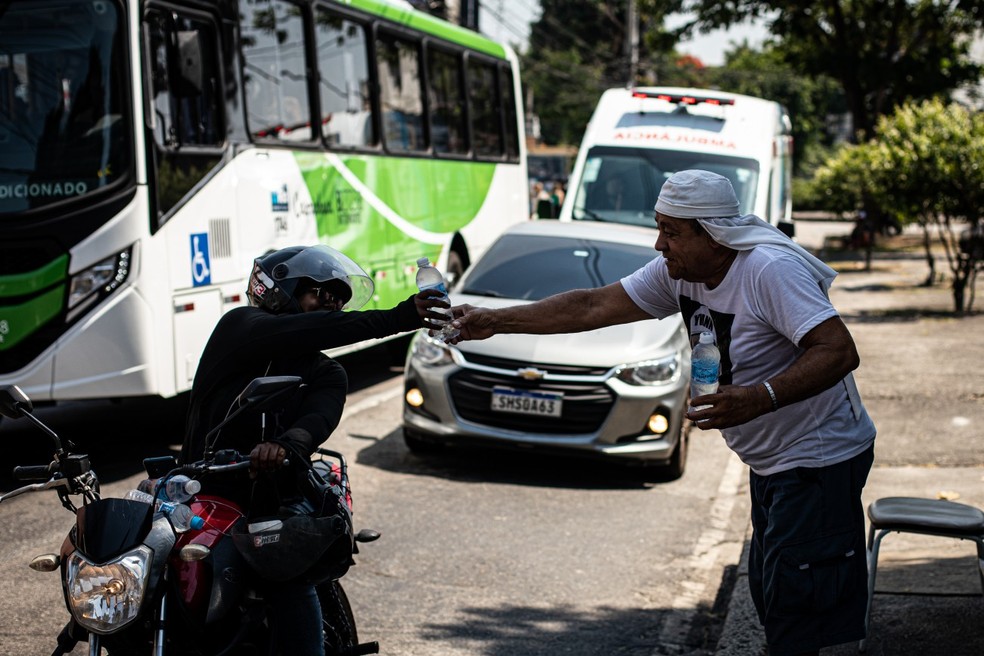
x=638, y=137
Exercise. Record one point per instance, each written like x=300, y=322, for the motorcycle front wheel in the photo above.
x=337, y=621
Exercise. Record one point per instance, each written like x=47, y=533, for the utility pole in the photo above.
x=632, y=42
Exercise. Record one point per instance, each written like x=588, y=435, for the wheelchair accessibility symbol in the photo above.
x=201, y=271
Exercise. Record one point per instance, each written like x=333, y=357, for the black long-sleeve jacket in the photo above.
x=249, y=342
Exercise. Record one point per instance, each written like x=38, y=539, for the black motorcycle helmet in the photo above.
x=274, y=282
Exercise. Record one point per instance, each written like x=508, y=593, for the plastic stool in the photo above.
x=927, y=516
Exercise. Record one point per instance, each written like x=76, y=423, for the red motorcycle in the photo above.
x=147, y=574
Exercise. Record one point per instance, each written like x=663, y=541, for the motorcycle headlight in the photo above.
x=430, y=351
x=105, y=598
x=651, y=372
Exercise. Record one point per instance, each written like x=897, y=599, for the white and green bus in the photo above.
x=149, y=150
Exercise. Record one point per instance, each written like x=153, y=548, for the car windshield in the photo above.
x=63, y=115
x=534, y=267
x=620, y=185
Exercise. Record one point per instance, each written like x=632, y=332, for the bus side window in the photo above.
x=447, y=102
x=186, y=100
x=398, y=64
x=507, y=94
x=483, y=109
x=275, y=71
x=185, y=81
x=343, y=81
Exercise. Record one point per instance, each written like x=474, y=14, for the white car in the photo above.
x=618, y=393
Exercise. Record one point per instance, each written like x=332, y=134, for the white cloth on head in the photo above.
x=696, y=194
x=743, y=233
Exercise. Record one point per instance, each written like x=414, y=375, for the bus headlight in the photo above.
x=101, y=278
x=105, y=598
x=650, y=372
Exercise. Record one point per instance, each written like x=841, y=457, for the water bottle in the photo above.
x=430, y=279
x=181, y=516
x=705, y=367
x=180, y=489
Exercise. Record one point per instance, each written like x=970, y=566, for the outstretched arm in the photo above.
x=569, y=312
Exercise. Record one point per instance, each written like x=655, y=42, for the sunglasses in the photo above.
x=335, y=296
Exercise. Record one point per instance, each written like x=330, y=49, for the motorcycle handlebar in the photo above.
x=208, y=468
x=32, y=472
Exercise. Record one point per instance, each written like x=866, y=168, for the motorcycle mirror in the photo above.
x=261, y=394
x=264, y=393
x=14, y=402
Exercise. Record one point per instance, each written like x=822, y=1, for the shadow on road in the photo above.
x=474, y=464
x=531, y=630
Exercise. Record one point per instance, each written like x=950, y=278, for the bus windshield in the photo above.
x=621, y=185
x=63, y=117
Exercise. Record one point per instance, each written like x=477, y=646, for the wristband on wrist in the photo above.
x=772, y=396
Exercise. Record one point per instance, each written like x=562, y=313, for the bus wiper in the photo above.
x=483, y=292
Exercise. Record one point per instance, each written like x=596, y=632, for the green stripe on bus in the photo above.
x=19, y=321
x=22, y=284
x=361, y=228
x=418, y=20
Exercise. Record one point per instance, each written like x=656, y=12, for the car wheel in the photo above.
x=418, y=444
x=678, y=461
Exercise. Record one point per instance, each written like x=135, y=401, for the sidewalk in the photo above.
x=928, y=591
x=923, y=384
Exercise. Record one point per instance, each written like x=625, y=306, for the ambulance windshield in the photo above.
x=620, y=185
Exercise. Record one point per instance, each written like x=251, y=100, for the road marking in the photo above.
x=711, y=550
x=372, y=401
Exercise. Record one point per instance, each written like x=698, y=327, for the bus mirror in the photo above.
x=190, y=58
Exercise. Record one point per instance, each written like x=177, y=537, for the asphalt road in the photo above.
x=481, y=553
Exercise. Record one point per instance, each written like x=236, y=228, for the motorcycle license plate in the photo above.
x=526, y=402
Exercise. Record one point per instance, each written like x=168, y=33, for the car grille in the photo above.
x=565, y=369
x=586, y=405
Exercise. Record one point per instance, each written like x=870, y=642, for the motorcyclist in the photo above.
x=296, y=296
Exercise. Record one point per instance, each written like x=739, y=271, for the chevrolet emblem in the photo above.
x=530, y=373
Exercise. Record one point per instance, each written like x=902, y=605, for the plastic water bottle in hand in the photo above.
x=705, y=368
x=430, y=279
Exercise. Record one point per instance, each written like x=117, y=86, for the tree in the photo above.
x=763, y=73
x=577, y=49
x=882, y=52
x=924, y=165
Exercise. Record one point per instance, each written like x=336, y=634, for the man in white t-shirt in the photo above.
x=787, y=402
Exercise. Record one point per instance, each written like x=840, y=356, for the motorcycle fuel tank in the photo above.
x=211, y=587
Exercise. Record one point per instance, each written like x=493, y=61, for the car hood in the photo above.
x=605, y=347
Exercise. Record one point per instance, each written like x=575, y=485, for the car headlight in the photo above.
x=651, y=372
x=105, y=598
x=430, y=351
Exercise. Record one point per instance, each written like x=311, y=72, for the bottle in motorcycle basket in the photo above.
x=182, y=517
x=179, y=489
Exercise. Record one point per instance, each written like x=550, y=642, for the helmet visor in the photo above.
x=323, y=264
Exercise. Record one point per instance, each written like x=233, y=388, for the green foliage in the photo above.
x=578, y=49
x=883, y=54
x=925, y=164
x=809, y=100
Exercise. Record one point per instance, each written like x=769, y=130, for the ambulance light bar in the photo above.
x=681, y=99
